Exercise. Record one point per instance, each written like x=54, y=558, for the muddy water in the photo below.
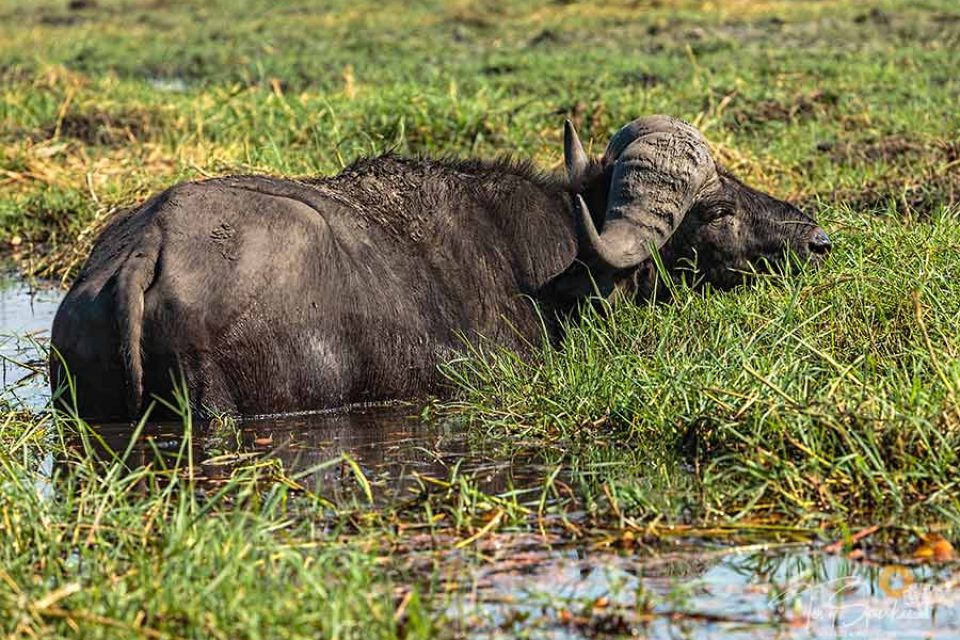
x=393, y=448
x=511, y=585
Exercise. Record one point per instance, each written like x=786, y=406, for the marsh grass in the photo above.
x=817, y=397
x=96, y=548
x=102, y=106
x=799, y=408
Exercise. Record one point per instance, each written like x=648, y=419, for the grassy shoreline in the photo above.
x=823, y=397
x=800, y=409
x=101, y=107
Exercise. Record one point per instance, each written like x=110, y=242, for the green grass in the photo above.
x=95, y=549
x=801, y=407
x=101, y=106
x=817, y=398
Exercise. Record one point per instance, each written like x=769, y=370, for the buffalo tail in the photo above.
x=134, y=278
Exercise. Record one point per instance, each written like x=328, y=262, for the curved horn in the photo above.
x=574, y=157
x=661, y=166
x=603, y=246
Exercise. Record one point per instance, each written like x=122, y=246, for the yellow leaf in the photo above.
x=934, y=547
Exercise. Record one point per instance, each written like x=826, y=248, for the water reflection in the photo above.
x=789, y=593
x=25, y=318
x=392, y=446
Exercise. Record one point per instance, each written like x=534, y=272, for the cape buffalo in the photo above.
x=267, y=295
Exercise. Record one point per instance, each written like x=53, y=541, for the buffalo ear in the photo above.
x=574, y=157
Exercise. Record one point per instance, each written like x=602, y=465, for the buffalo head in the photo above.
x=657, y=188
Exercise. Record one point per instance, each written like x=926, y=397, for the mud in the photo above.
x=547, y=36
x=103, y=128
x=886, y=149
x=922, y=177
x=802, y=107
x=874, y=16
x=919, y=198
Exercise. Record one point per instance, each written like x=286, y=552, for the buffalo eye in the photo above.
x=718, y=214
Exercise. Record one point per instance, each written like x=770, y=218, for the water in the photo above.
x=168, y=85
x=394, y=449
x=535, y=585
x=786, y=593
x=391, y=445
x=25, y=319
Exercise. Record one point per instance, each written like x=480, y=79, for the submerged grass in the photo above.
x=799, y=408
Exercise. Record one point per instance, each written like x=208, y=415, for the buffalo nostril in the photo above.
x=819, y=242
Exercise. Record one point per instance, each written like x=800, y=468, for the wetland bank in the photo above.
x=674, y=470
